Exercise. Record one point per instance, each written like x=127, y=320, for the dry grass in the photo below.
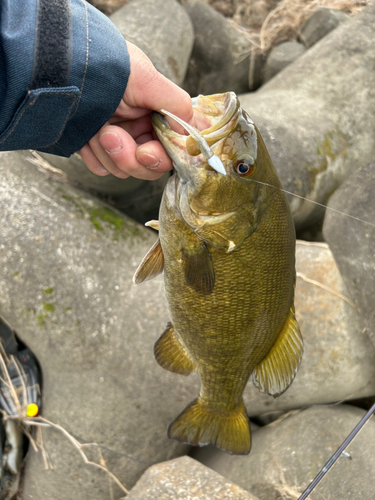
x=47, y=169
x=249, y=14
x=266, y=23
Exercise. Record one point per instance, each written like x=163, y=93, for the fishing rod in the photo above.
x=337, y=454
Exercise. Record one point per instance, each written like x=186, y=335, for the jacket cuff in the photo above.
x=100, y=70
x=59, y=118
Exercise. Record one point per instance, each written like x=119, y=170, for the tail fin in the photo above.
x=199, y=425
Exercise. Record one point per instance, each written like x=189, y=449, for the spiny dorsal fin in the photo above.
x=276, y=372
x=199, y=269
x=153, y=223
x=171, y=355
x=151, y=265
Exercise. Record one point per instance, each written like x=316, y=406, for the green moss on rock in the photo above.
x=48, y=307
x=100, y=216
x=41, y=319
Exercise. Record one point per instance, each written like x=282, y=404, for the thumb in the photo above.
x=147, y=88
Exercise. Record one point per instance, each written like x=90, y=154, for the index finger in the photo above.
x=147, y=88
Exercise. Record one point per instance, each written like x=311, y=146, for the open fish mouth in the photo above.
x=212, y=112
x=216, y=116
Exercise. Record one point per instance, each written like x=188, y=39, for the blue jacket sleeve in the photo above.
x=64, y=68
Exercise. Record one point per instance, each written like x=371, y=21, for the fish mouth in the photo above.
x=216, y=116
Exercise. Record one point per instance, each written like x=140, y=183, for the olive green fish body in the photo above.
x=228, y=254
x=230, y=331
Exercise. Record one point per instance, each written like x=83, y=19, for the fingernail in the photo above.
x=149, y=161
x=111, y=143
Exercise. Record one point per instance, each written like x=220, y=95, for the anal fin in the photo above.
x=276, y=372
x=171, y=355
x=152, y=264
x=199, y=269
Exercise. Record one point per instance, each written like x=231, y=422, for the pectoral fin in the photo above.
x=276, y=372
x=171, y=355
x=151, y=265
x=199, y=269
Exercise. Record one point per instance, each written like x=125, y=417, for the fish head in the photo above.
x=222, y=207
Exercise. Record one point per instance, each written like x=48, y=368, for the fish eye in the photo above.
x=244, y=167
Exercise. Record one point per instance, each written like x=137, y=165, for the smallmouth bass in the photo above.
x=227, y=248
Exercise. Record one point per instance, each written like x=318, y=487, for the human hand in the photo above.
x=126, y=145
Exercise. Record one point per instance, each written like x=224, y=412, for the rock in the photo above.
x=162, y=29
x=268, y=418
x=287, y=455
x=317, y=116
x=108, y=6
x=137, y=198
x=220, y=56
x=66, y=266
x=338, y=359
x=281, y=56
x=182, y=479
x=320, y=24
x=78, y=173
x=256, y=68
x=353, y=242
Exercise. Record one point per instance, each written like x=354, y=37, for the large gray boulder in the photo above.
x=79, y=174
x=220, y=57
x=280, y=57
x=287, y=455
x=184, y=478
x=138, y=198
x=66, y=267
x=353, y=242
x=162, y=29
x=338, y=361
x=318, y=115
x=319, y=24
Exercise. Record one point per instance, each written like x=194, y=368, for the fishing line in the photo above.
x=315, y=202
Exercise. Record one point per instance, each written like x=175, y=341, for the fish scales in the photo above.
x=228, y=247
